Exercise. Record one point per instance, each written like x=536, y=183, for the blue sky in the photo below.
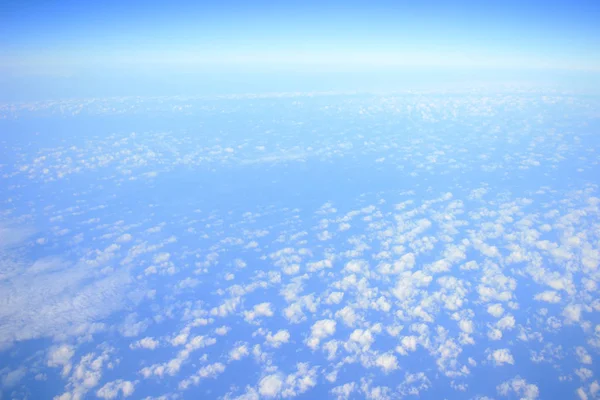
x=115, y=39
x=301, y=246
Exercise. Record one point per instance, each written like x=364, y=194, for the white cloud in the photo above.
x=387, y=362
x=572, y=313
x=124, y=238
x=299, y=382
x=320, y=330
x=466, y=326
x=319, y=265
x=414, y=384
x=582, y=355
x=501, y=357
x=132, y=327
x=506, y=323
x=581, y=394
x=409, y=283
x=13, y=377
x=334, y=298
x=495, y=310
x=259, y=310
x=270, y=385
x=87, y=374
x=584, y=373
x=549, y=296
x=60, y=356
x=210, y=371
x=347, y=315
x=494, y=334
x=407, y=343
x=344, y=226
x=145, y=343
x=470, y=266
x=222, y=330
x=361, y=337
x=344, y=391
x=111, y=390
x=280, y=337
x=520, y=387
x=239, y=352
x=357, y=266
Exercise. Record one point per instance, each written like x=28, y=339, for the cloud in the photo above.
x=124, y=238
x=87, y=374
x=549, y=296
x=59, y=303
x=300, y=381
x=131, y=327
x=320, y=330
x=347, y=315
x=259, y=310
x=173, y=366
x=145, y=343
x=506, y=323
x=584, y=373
x=387, y=362
x=413, y=384
x=13, y=377
x=501, y=357
x=344, y=391
x=60, y=356
x=361, y=337
x=270, y=385
x=495, y=310
x=407, y=343
x=111, y=390
x=210, y=371
x=334, y=298
x=520, y=387
x=280, y=337
x=466, y=326
x=12, y=235
x=582, y=355
x=572, y=313
x=239, y=352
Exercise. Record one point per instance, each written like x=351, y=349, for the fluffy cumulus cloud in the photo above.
x=519, y=387
x=259, y=311
x=582, y=355
x=280, y=337
x=239, y=352
x=210, y=371
x=60, y=356
x=387, y=362
x=501, y=357
x=118, y=388
x=495, y=310
x=320, y=330
x=549, y=296
x=270, y=385
x=344, y=391
x=145, y=343
x=11, y=378
x=572, y=313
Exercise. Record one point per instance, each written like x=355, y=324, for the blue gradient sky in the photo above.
x=114, y=39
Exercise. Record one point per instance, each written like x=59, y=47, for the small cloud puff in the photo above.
x=501, y=357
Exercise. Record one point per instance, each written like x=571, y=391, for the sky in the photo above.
x=97, y=41
x=254, y=200
x=301, y=246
